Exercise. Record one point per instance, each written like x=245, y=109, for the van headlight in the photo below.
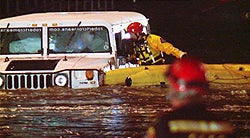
x=1, y=81
x=61, y=80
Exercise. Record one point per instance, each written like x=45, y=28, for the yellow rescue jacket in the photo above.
x=159, y=44
x=150, y=52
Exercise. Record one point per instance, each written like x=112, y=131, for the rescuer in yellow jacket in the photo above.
x=149, y=47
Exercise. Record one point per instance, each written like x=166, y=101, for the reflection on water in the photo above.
x=107, y=111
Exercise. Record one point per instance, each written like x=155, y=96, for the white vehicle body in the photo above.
x=44, y=49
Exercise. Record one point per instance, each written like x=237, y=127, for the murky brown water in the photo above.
x=110, y=111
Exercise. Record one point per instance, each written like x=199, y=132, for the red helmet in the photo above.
x=187, y=75
x=135, y=27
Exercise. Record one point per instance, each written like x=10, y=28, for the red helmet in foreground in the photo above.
x=135, y=27
x=187, y=76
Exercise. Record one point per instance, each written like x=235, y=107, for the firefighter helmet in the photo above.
x=135, y=27
x=187, y=75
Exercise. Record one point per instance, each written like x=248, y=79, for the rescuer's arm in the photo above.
x=160, y=44
x=170, y=49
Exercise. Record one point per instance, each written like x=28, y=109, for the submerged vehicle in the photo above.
x=83, y=50
x=68, y=49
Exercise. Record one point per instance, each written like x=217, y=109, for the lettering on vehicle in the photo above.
x=20, y=30
x=70, y=29
x=83, y=82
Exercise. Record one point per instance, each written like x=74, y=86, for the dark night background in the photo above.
x=216, y=31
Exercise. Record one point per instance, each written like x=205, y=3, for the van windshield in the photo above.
x=94, y=39
x=20, y=40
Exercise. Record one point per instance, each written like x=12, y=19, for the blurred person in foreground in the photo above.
x=189, y=117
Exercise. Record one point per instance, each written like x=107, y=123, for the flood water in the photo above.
x=109, y=111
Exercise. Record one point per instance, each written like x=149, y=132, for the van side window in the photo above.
x=118, y=39
x=125, y=49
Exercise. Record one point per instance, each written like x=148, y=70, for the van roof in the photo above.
x=111, y=17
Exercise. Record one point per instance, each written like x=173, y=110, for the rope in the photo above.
x=232, y=79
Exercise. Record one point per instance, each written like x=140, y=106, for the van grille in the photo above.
x=30, y=81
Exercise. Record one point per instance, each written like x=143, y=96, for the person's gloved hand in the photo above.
x=184, y=55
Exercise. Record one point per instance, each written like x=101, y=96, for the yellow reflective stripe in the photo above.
x=148, y=54
x=151, y=58
x=192, y=126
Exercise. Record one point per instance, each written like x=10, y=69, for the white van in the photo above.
x=70, y=49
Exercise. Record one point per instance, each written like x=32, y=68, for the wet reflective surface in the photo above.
x=109, y=111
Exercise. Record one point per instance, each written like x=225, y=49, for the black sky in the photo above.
x=217, y=31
